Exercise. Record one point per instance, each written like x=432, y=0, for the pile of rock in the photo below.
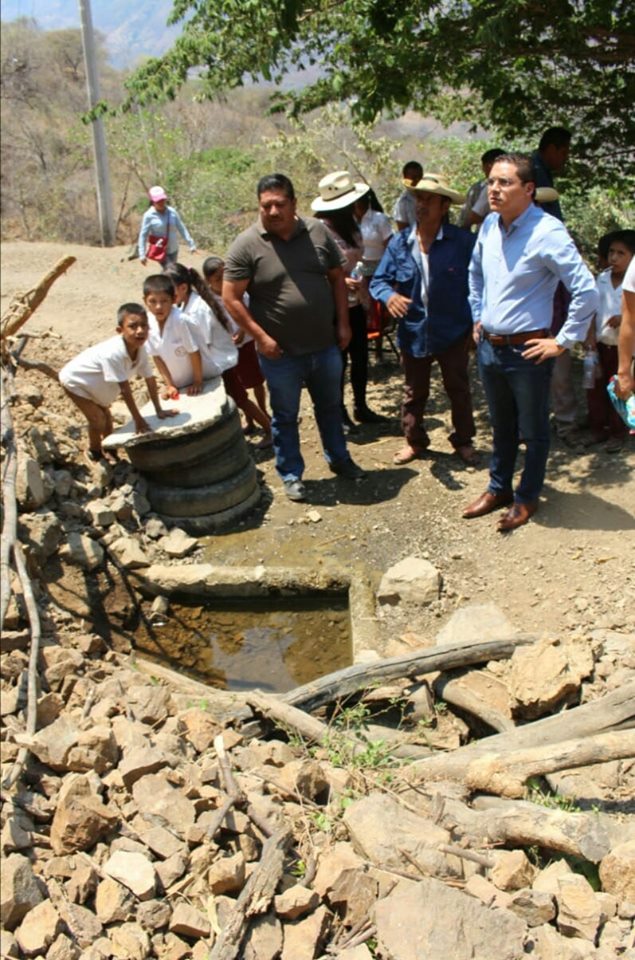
x=131, y=836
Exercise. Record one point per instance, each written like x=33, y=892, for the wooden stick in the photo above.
x=36, y=632
x=44, y=368
x=506, y=774
x=231, y=787
x=255, y=896
x=23, y=305
x=9, y=502
x=343, y=683
x=215, y=825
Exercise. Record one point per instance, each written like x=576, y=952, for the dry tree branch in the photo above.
x=36, y=633
x=23, y=305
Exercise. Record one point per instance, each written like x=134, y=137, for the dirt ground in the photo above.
x=570, y=568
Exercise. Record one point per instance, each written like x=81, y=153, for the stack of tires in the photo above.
x=200, y=481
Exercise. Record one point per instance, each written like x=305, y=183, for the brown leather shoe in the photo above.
x=486, y=503
x=517, y=515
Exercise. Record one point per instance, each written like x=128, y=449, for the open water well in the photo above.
x=245, y=627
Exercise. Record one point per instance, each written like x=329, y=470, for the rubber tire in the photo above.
x=211, y=469
x=182, y=451
x=211, y=498
x=211, y=522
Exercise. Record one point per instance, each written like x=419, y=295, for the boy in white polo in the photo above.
x=97, y=376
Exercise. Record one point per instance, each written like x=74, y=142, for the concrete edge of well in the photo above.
x=210, y=580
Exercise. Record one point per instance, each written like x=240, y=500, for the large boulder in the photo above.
x=427, y=919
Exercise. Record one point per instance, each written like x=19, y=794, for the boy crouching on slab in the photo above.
x=95, y=378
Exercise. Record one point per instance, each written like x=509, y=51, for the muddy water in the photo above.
x=255, y=645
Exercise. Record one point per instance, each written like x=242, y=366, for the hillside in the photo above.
x=130, y=31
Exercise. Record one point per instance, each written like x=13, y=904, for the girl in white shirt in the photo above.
x=206, y=335
x=604, y=421
x=209, y=340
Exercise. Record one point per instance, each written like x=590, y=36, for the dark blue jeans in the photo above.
x=517, y=392
x=321, y=374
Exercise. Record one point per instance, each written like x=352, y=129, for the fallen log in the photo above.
x=613, y=711
x=519, y=823
x=255, y=896
x=350, y=680
x=506, y=774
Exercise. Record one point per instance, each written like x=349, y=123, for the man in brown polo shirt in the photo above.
x=298, y=316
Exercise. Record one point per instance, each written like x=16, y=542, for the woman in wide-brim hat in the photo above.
x=334, y=205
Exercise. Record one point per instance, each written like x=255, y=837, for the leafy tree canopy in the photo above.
x=515, y=65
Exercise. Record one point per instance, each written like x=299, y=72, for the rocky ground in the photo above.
x=133, y=831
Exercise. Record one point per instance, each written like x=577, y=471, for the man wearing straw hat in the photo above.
x=292, y=270
x=422, y=280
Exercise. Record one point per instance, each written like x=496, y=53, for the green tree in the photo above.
x=516, y=65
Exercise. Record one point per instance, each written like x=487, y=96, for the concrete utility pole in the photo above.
x=104, y=196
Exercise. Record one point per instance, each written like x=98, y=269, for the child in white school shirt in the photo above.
x=97, y=376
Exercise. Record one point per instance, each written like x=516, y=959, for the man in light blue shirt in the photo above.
x=520, y=256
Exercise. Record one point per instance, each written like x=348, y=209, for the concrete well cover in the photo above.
x=195, y=414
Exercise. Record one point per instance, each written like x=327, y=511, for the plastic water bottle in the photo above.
x=589, y=369
x=357, y=273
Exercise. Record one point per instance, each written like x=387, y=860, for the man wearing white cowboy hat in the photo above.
x=298, y=316
x=422, y=280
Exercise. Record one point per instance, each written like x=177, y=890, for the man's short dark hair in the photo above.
x=556, y=137
x=134, y=309
x=276, y=181
x=411, y=165
x=523, y=163
x=490, y=155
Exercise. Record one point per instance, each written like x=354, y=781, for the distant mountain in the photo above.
x=132, y=30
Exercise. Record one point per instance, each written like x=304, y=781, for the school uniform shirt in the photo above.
x=202, y=331
x=610, y=305
x=96, y=373
x=169, y=344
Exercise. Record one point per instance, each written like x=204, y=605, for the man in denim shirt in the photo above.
x=520, y=255
x=422, y=280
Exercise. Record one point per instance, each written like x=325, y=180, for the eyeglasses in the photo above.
x=501, y=182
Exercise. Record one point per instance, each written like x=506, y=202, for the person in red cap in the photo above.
x=160, y=227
